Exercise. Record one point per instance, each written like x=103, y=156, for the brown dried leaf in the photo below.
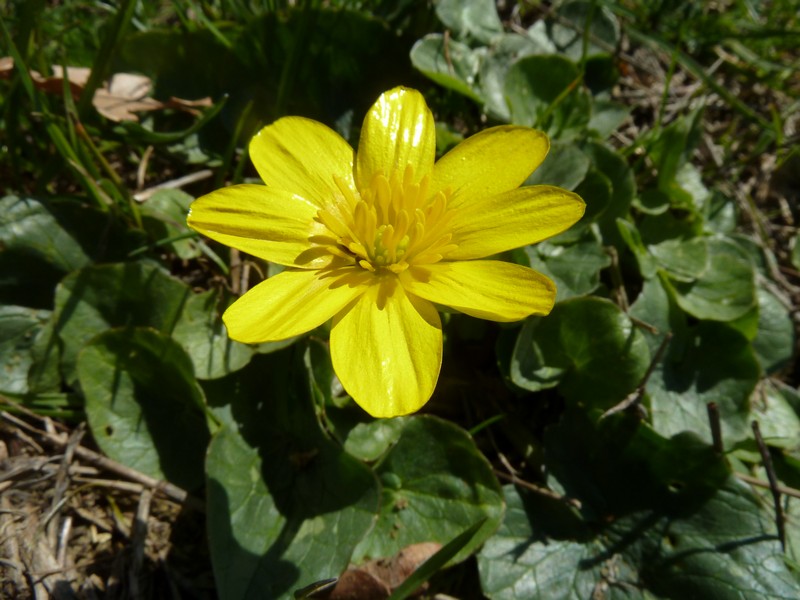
x=117, y=100
x=375, y=579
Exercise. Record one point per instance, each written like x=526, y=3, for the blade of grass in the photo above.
x=106, y=54
x=302, y=34
x=163, y=242
x=431, y=566
x=227, y=158
x=21, y=67
x=129, y=128
x=697, y=70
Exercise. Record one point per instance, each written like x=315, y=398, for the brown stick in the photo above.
x=773, y=484
x=716, y=427
x=635, y=396
x=98, y=460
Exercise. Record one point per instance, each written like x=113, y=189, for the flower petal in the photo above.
x=266, y=222
x=523, y=216
x=387, y=350
x=487, y=289
x=493, y=161
x=291, y=303
x=398, y=131
x=303, y=156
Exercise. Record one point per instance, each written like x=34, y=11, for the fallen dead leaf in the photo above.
x=375, y=579
x=118, y=99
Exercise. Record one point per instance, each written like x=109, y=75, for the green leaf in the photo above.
x=369, y=441
x=449, y=63
x=655, y=307
x=164, y=218
x=470, y=19
x=565, y=166
x=775, y=340
x=321, y=376
x=19, y=328
x=623, y=185
x=579, y=18
x=435, y=484
x=630, y=235
x=607, y=117
x=286, y=506
x=710, y=362
x=98, y=298
x=517, y=563
x=35, y=252
x=203, y=335
x=596, y=189
x=684, y=260
x=689, y=180
x=133, y=130
x=143, y=404
x=575, y=268
x=652, y=201
x=41, y=242
x=656, y=228
x=779, y=423
x=28, y=226
x=725, y=290
x=504, y=51
x=533, y=85
x=658, y=518
x=586, y=346
x=672, y=147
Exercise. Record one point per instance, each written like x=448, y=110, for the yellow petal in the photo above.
x=487, y=289
x=488, y=163
x=302, y=156
x=387, y=350
x=263, y=221
x=398, y=131
x=291, y=303
x=523, y=216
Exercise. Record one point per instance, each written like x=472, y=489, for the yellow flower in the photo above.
x=375, y=239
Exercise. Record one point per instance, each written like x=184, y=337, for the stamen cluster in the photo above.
x=391, y=225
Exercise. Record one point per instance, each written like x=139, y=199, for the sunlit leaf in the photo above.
x=586, y=346
x=286, y=506
x=579, y=18
x=476, y=19
x=658, y=518
x=774, y=342
x=204, y=337
x=449, y=63
x=726, y=288
x=710, y=362
x=98, y=298
x=19, y=329
x=144, y=405
x=164, y=217
x=435, y=485
x=575, y=268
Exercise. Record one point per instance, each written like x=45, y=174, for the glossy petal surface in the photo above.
x=398, y=132
x=291, y=303
x=487, y=289
x=387, y=350
x=513, y=219
x=303, y=156
x=493, y=161
x=375, y=239
x=266, y=222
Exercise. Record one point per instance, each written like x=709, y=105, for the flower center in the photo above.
x=393, y=224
